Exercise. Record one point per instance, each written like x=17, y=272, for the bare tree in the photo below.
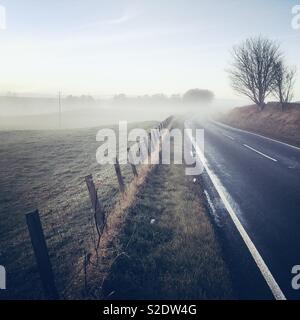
x=253, y=68
x=284, y=83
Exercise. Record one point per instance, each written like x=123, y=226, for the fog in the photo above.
x=36, y=113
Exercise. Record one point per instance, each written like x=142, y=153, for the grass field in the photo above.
x=46, y=170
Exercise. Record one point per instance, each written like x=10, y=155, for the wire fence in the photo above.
x=71, y=227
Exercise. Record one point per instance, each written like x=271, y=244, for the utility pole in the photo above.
x=59, y=108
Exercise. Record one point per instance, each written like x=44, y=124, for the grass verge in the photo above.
x=271, y=122
x=168, y=248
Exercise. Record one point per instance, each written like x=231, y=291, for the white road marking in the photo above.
x=254, y=134
x=228, y=136
x=263, y=154
x=266, y=273
x=210, y=203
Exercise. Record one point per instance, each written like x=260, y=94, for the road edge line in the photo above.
x=266, y=273
x=255, y=134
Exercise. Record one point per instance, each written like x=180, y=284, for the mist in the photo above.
x=71, y=112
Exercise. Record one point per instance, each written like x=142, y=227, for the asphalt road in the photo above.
x=261, y=178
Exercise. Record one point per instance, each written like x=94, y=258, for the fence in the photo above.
x=83, y=221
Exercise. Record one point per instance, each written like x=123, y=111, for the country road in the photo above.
x=260, y=178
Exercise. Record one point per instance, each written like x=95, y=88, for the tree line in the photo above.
x=193, y=96
x=259, y=69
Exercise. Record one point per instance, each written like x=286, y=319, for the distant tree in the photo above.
x=198, y=96
x=254, y=68
x=284, y=83
x=175, y=99
x=159, y=98
x=120, y=98
x=86, y=99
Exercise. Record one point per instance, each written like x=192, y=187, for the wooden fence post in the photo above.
x=41, y=255
x=154, y=139
x=119, y=176
x=158, y=136
x=158, y=139
x=147, y=145
x=133, y=167
x=142, y=154
x=150, y=144
x=98, y=212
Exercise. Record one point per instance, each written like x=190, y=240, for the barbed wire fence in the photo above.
x=66, y=233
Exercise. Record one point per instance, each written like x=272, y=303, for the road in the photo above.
x=261, y=181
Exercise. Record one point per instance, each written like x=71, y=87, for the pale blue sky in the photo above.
x=134, y=46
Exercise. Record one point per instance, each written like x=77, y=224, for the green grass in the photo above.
x=46, y=170
x=176, y=257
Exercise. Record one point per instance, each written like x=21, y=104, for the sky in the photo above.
x=134, y=46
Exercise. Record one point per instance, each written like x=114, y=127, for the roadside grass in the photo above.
x=271, y=122
x=168, y=247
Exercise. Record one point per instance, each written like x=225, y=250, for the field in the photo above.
x=46, y=170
